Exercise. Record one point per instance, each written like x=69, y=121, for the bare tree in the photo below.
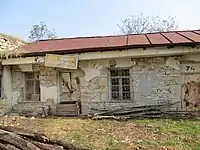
x=145, y=24
x=41, y=31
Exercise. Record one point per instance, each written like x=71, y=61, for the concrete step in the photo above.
x=4, y=110
x=32, y=108
x=27, y=108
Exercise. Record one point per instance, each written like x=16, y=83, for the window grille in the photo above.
x=120, y=84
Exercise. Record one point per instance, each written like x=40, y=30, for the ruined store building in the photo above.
x=78, y=76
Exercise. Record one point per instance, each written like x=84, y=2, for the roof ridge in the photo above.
x=83, y=37
x=105, y=43
x=120, y=35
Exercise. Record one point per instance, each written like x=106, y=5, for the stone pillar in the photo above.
x=49, y=85
x=7, y=85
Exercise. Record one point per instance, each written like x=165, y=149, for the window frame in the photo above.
x=131, y=100
x=34, y=86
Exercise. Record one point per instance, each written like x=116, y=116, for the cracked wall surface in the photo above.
x=152, y=82
x=69, y=86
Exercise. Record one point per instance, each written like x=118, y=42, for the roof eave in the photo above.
x=102, y=49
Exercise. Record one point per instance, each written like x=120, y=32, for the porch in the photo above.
x=36, y=88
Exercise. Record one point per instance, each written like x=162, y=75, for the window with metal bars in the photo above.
x=120, y=84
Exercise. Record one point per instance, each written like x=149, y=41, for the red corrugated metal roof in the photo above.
x=191, y=35
x=137, y=40
x=175, y=38
x=103, y=43
x=157, y=38
x=198, y=32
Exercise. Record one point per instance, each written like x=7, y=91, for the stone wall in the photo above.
x=48, y=85
x=155, y=83
x=17, y=86
x=191, y=82
x=152, y=82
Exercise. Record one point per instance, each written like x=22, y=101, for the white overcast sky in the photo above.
x=72, y=18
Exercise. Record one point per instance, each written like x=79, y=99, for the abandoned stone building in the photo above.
x=83, y=75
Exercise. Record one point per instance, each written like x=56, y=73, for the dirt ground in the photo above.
x=115, y=135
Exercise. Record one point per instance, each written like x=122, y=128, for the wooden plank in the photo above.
x=67, y=109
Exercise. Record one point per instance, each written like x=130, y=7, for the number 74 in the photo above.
x=192, y=68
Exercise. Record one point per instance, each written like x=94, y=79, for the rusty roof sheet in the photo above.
x=197, y=32
x=157, y=38
x=137, y=40
x=104, y=43
x=191, y=36
x=175, y=38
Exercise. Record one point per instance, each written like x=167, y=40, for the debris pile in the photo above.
x=145, y=111
x=14, y=138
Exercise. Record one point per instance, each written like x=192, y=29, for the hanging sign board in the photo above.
x=61, y=61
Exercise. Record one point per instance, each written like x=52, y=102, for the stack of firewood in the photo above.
x=145, y=111
x=14, y=138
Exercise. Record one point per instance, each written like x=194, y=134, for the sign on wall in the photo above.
x=190, y=68
x=61, y=61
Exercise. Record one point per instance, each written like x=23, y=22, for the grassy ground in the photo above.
x=114, y=135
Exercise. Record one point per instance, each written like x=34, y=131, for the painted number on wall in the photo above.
x=190, y=68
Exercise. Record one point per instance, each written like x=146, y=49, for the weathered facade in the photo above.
x=155, y=80
x=106, y=80
x=8, y=46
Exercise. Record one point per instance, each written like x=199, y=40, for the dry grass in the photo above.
x=114, y=135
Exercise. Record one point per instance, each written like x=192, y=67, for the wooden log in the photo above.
x=7, y=147
x=28, y=140
x=134, y=109
x=26, y=133
x=44, y=146
x=110, y=117
x=17, y=141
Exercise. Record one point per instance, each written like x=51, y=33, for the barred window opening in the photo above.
x=120, y=84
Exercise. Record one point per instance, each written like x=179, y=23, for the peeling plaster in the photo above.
x=93, y=71
x=49, y=93
x=15, y=97
x=173, y=63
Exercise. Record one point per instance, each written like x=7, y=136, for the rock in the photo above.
x=32, y=118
